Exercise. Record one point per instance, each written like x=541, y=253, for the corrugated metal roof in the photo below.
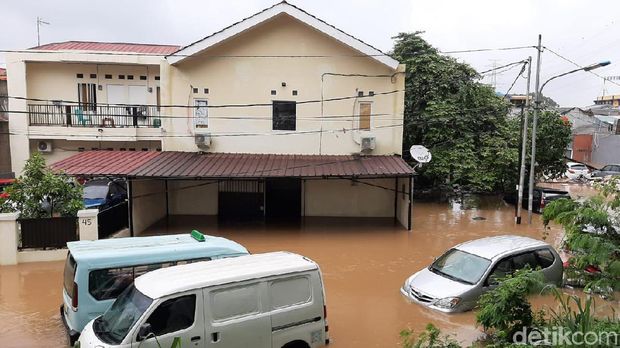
x=230, y=165
x=118, y=163
x=108, y=47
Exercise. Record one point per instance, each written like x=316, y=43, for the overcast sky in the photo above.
x=582, y=30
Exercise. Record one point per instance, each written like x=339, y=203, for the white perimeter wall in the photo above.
x=192, y=197
x=148, y=204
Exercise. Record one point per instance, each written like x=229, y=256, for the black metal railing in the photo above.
x=47, y=233
x=91, y=115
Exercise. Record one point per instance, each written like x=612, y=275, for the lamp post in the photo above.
x=535, y=120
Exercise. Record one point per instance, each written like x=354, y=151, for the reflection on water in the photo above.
x=364, y=263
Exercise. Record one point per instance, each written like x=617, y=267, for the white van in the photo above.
x=263, y=300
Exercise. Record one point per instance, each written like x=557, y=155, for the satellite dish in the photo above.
x=420, y=154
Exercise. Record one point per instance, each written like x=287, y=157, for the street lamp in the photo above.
x=537, y=102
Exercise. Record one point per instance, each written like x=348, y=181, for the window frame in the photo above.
x=358, y=123
x=206, y=116
x=133, y=272
x=166, y=300
x=219, y=320
x=512, y=256
x=277, y=122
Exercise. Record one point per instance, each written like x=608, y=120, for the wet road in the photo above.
x=364, y=263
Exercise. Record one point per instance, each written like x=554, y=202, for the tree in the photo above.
x=40, y=193
x=592, y=234
x=463, y=122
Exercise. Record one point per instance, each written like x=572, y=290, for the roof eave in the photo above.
x=271, y=12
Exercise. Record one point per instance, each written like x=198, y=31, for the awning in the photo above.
x=195, y=165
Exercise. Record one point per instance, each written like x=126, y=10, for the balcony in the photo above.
x=94, y=115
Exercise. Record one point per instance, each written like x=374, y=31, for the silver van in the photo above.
x=455, y=281
x=262, y=300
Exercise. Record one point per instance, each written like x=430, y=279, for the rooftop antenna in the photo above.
x=39, y=22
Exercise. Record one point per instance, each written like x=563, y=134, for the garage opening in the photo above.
x=283, y=199
x=241, y=200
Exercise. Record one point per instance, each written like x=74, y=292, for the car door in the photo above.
x=234, y=317
x=176, y=322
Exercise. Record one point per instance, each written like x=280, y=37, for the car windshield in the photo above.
x=115, y=323
x=460, y=266
x=578, y=167
x=95, y=191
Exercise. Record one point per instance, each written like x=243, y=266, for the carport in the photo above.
x=263, y=187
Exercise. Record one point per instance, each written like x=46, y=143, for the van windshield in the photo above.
x=115, y=323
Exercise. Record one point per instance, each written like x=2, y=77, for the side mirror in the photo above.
x=144, y=332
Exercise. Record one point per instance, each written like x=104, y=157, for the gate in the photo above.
x=241, y=200
x=46, y=233
x=112, y=220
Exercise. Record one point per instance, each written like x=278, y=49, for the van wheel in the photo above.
x=296, y=344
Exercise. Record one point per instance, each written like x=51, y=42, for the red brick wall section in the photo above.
x=582, y=148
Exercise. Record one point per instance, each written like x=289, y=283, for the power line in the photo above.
x=517, y=78
x=579, y=65
x=488, y=49
x=310, y=101
x=503, y=66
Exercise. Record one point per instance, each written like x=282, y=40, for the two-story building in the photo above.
x=278, y=115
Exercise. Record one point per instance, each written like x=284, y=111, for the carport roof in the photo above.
x=170, y=164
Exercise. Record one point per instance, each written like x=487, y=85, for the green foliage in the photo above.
x=464, y=123
x=430, y=338
x=39, y=192
x=592, y=234
x=506, y=308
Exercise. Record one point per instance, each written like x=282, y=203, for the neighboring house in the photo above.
x=518, y=103
x=613, y=100
x=5, y=152
x=280, y=114
x=595, y=134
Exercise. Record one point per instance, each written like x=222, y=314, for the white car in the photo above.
x=576, y=170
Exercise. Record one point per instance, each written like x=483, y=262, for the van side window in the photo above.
x=502, y=269
x=173, y=315
x=545, y=257
x=234, y=302
x=290, y=292
x=104, y=284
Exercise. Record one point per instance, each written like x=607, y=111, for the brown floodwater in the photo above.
x=364, y=263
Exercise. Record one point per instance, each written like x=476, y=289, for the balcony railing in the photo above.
x=99, y=115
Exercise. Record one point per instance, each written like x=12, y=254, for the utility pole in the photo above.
x=530, y=193
x=39, y=22
x=524, y=142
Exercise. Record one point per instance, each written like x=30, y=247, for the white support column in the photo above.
x=9, y=237
x=88, y=224
x=18, y=121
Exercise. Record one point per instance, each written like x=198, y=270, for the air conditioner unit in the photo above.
x=367, y=142
x=44, y=146
x=203, y=141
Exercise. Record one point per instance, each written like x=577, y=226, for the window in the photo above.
x=290, y=292
x=79, y=76
x=93, y=76
x=234, y=302
x=365, y=112
x=142, y=77
x=206, y=91
x=156, y=78
x=294, y=92
x=121, y=77
x=201, y=113
x=69, y=275
x=195, y=90
x=173, y=315
x=525, y=260
x=108, y=76
x=87, y=96
x=502, y=269
x=129, y=77
x=105, y=284
x=284, y=115
x=545, y=257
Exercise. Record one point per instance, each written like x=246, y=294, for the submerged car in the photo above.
x=456, y=280
x=608, y=170
x=542, y=196
x=104, y=193
x=575, y=171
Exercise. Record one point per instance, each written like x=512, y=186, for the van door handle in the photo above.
x=215, y=337
x=195, y=338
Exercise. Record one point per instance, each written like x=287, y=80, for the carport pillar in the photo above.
x=88, y=224
x=9, y=237
x=130, y=206
x=409, y=222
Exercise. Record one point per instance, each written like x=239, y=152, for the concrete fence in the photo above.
x=10, y=236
